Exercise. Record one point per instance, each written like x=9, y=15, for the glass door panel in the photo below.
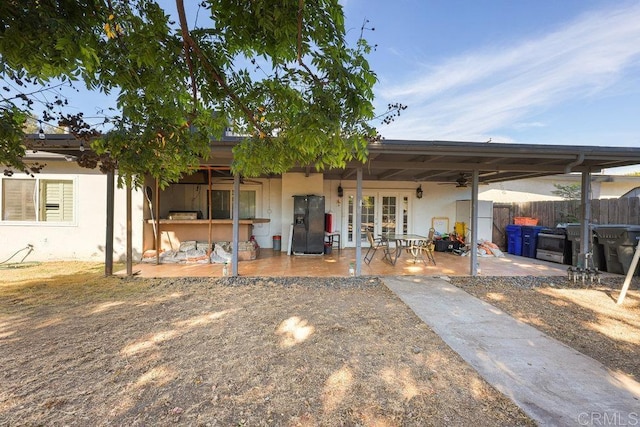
x=368, y=219
x=404, y=225
x=389, y=215
x=382, y=212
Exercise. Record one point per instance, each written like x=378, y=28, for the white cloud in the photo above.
x=468, y=96
x=528, y=125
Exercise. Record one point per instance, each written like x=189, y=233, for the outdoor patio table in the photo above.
x=402, y=241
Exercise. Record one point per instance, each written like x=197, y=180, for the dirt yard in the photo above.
x=80, y=349
x=583, y=317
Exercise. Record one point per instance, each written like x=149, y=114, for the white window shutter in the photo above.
x=19, y=200
x=57, y=201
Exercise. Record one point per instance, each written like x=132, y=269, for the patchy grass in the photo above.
x=81, y=349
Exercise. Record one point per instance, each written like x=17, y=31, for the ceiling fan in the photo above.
x=461, y=182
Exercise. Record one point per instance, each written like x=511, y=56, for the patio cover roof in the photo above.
x=428, y=161
x=443, y=161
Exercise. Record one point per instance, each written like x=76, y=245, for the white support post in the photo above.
x=474, y=224
x=236, y=225
x=359, y=221
x=108, y=246
x=627, y=280
x=129, y=232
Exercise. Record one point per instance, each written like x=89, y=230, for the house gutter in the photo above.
x=576, y=162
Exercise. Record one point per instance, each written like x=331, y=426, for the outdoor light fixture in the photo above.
x=81, y=148
x=41, y=134
x=419, y=192
x=340, y=190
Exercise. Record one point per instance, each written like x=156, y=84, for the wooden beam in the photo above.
x=156, y=216
x=390, y=173
x=466, y=167
x=474, y=225
x=430, y=174
x=358, y=227
x=129, y=232
x=236, y=225
x=210, y=212
x=108, y=247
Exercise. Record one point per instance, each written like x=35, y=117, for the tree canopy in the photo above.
x=280, y=73
x=568, y=191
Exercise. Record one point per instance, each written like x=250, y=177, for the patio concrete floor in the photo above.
x=270, y=263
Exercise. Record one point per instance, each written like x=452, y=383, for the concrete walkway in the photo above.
x=554, y=384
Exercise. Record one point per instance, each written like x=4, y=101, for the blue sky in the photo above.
x=549, y=72
x=519, y=71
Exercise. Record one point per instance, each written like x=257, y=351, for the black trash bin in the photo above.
x=619, y=241
x=627, y=248
x=625, y=255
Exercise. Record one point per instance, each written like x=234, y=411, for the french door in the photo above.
x=382, y=212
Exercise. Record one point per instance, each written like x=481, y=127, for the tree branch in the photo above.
x=185, y=35
x=300, y=61
x=300, y=9
x=191, y=43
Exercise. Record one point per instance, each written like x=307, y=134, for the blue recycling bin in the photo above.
x=530, y=240
x=514, y=239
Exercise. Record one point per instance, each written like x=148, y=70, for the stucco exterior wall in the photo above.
x=271, y=209
x=84, y=238
x=538, y=189
x=437, y=201
x=615, y=189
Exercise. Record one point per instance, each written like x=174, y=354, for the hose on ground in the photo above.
x=28, y=248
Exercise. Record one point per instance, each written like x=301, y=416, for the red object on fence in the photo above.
x=524, y=220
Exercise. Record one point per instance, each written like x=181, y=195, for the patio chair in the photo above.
x=423, y=251
x=374, y=244
x=430, y=246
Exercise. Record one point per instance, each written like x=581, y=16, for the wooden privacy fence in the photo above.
x=550, y=213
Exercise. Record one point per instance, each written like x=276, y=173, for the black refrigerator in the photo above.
x=308, y=225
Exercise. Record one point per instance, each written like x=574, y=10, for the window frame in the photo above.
x=40, y=205
x=257, y=189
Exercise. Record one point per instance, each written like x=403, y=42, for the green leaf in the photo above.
x=246, y=70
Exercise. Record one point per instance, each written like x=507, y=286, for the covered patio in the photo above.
x=455, y=162
x=417, y=162
x=278, y=264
